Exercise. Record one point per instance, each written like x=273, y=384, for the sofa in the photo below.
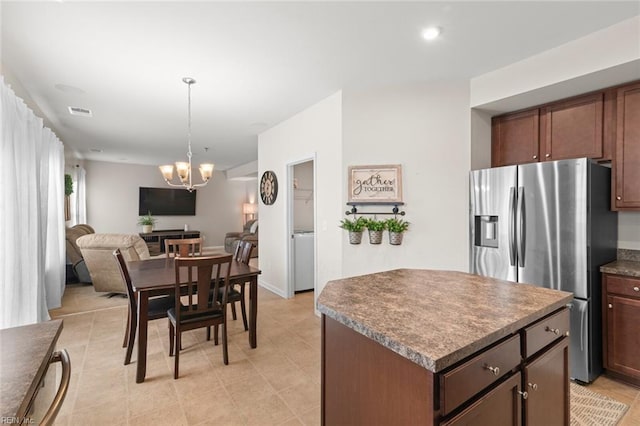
x=249, y=233
x=73, y=254
x=97, y=250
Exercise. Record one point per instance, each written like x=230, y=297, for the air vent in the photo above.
x=80, y=111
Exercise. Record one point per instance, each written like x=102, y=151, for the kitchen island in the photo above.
x=439, y=347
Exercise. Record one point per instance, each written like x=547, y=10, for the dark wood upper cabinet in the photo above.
x=515, y=138
x=573, y=128
x=627, y=158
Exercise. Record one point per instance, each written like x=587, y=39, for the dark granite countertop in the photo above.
x=435, y=318
x=23, y=360
x=628, y=268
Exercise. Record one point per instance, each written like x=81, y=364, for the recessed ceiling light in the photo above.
x=431, y=33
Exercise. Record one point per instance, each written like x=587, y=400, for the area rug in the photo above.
x=592, y=409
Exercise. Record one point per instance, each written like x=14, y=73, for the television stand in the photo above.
x=155, y=239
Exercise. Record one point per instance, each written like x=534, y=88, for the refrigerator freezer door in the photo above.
x=492, y=203
x=551, y=225
x=585, y=367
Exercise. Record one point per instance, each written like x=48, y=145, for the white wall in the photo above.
x=425, y=128
x=603, y=58
x=480, y=139
x=314, y=131
x=112, y=201
x=629, y=230
x=303, y=197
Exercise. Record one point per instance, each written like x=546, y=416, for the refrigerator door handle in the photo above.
x=520, y=213
x=512, y=226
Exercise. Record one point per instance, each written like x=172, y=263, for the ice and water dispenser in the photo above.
x=486, y=231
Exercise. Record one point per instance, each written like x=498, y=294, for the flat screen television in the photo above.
x=167, y=202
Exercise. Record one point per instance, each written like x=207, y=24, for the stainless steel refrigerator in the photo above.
x=549, y=224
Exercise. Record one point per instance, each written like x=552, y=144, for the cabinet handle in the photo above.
x=494, y=370
x=533, y=386
x=610, y=306
x=535, y=157
x=555, y=331
x=548, y=155
x=524, y=394
x=636, y=289
x=618, y=198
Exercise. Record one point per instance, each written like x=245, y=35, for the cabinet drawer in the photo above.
x=545, y=331
x=623, y=285
x=466, y=380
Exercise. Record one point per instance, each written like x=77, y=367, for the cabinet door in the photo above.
x=573, y=129
x=627, y=159
x=623, y=335
x=515, y=138
x=500, y=407
x=546, y=380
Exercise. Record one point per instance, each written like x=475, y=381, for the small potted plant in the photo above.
x=355, y=228
x=375, y=228
x=396, y=229
x=147, y=223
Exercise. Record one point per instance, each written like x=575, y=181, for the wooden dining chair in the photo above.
x=157, y=308
x=184, y=247
x=242, y=254
x=203, y=276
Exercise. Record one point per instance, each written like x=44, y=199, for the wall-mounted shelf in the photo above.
x=394, y=210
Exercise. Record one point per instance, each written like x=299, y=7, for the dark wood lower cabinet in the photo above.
x=546, y=381
x=621, y=327
x=365, y=383
x=501, y=406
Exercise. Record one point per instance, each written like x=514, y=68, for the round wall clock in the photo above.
x=268, y=187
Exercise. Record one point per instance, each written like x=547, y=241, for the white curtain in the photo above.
x=31, y=215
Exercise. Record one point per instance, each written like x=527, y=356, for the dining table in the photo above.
x=157, y=277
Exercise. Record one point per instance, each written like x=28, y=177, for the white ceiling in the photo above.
x=256, y=64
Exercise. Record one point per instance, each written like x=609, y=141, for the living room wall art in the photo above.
x=375, y=184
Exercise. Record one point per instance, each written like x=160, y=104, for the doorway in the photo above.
x=301, y=227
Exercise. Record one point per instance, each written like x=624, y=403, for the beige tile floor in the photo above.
x=276, y=383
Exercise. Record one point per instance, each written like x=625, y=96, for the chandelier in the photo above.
x=184, y=168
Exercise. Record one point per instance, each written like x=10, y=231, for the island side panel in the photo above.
x=366, y=383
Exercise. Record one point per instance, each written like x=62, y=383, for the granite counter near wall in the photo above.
x=628, y=264
x=630, y=255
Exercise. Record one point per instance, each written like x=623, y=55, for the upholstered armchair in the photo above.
x=74, y=256
x=97, y=250
x=249, y=233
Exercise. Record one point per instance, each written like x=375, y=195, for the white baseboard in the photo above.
x=271, y=288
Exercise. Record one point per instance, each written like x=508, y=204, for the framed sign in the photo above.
x=375, y=184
